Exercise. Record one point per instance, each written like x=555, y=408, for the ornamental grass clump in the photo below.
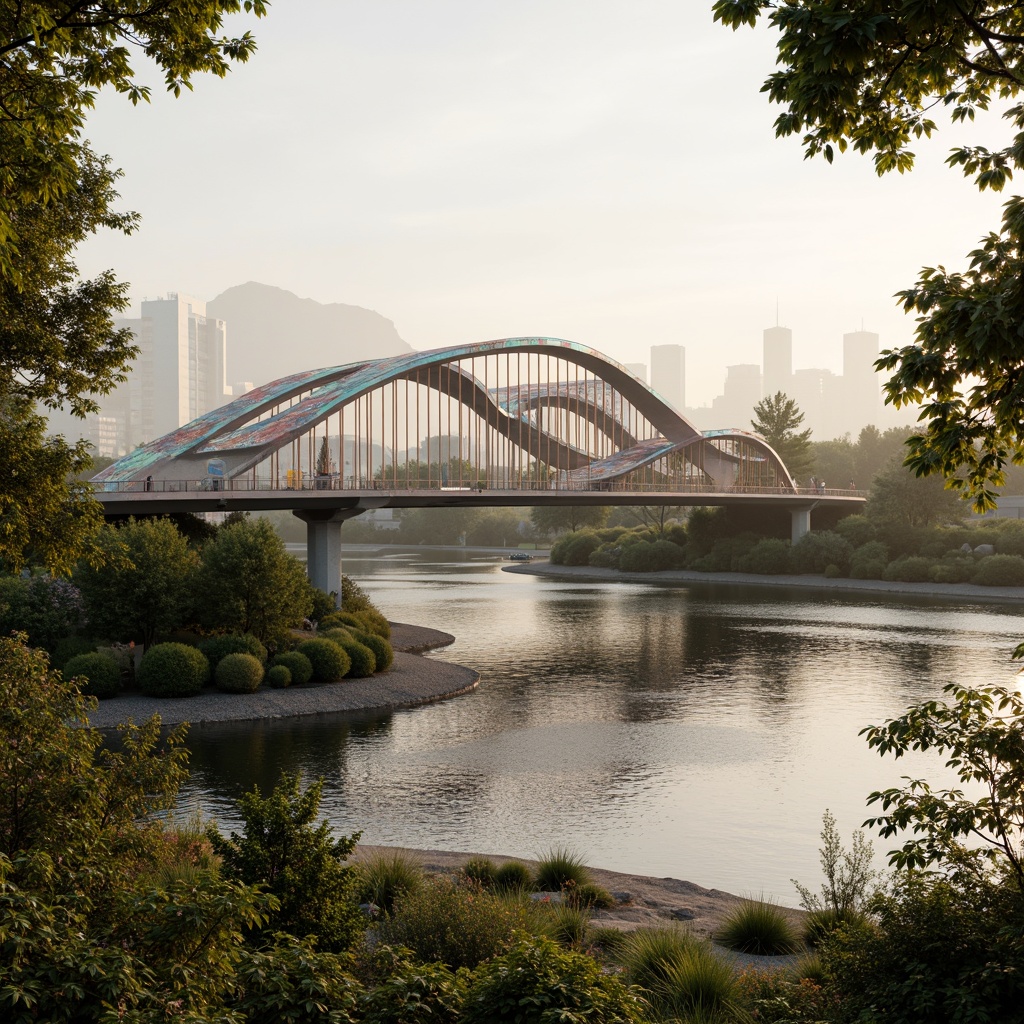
x=239, y=673
x=298, y=665
x=513, y=877
x=568, y=925
x=588, y=896
x=649, y=953
x=699, y=986
x=98, y=675
x=328, y=661
x=173, y=670
x=457, y=923
x=480, y=870
x=387, y=877
x=759, y=928
x=560, y=867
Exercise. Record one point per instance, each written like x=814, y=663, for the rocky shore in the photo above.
x=948, y=591
x=411, y=680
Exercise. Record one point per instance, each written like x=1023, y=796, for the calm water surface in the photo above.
x=697, y=732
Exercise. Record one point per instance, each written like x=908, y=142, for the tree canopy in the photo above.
x=869, y=75
x=777, y=419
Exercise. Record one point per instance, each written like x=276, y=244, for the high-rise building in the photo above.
x=668, y=373
x=861, y=383
x=777, y=360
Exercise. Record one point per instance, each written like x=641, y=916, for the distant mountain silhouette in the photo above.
x=272, y=332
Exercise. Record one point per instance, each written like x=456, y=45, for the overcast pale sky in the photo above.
x=602, y=171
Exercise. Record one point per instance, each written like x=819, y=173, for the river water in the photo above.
x=694, y=732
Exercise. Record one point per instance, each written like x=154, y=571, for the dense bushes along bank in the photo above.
x=988, y=553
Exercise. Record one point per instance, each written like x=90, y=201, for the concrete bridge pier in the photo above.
x=801, y=522
x=323, y=546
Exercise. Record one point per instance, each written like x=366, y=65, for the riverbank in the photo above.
x=948, y=591
x=411, y=680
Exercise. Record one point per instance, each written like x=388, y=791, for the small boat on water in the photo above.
x=520, y=556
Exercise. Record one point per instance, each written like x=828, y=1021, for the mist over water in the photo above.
x=697, y=732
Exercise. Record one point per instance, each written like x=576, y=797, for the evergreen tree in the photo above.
x=777, y=420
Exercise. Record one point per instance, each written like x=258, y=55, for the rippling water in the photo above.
x=697, y=732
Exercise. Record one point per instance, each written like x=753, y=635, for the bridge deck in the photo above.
x=132, y=498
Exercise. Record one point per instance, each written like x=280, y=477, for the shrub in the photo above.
x=328, y=661
x=649, y=952
x=954, y=569
x=608, y=941
x=560, y=867
x=820, y=924
x=335, y=634
x=857, y=529
x=758, y=927
x=868, y=570
x=832, y=571
x=297, y=664
x=651, y=557
x=67, y=648
x=912, y=569
x=336, y=619
x=568, y=925
x=98, y=674
x=513, y=876
x=217, y=647
x=239, y=673
x=767, y=557
x=575, y=548
x=815, y=550
x=698, y=986
x=587, y=896
x=374, y=622
x=361, y=660
x=388, y=876
x=535, y=982
x=383, y=652
x=459, y=924
x=1000, y=571
x=173, y=670
x=278, y=676
x=480, y=870
x=323, y=604
x=410, y=992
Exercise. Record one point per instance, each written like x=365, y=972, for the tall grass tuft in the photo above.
x=820, y=924
x=568, y=925
x=480, y=869
x=559, y=867
x=513, y=877
x=759, y=928
x=385, y=877
x=699, y=987
x=648, y=953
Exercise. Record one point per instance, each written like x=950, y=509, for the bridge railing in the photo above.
x=352, y=485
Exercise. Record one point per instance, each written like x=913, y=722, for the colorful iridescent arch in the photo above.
x=539, y=411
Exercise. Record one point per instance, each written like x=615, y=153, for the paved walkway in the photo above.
x=410, y=681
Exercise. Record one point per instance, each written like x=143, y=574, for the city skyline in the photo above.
x=486, y=172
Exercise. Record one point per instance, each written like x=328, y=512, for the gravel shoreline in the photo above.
x=411, y=680
x=948, y=591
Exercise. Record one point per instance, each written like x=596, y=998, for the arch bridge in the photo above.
x=518, y=421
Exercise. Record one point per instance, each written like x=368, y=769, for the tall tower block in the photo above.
x=777, y=361
x=668, y=373
x=860, y=381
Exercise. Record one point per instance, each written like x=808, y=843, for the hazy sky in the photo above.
x=605, y=172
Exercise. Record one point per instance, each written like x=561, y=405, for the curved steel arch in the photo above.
x=231, y=435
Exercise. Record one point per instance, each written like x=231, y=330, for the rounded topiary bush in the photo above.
x=70, y=647
x=362, y=663
x=1000, y=571
x=649, y=556
x=914, y=569
x=173, y=670
x=335, y=634
x=383, y=652
x=328, y=660
x=217, y=647
x=374, y=622
x=336, y=619
x=278, y=677
x=769, y=557
x=298, y=665
x=98, y=674
x=239, y=673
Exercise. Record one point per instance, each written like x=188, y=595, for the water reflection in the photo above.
x=696, y=732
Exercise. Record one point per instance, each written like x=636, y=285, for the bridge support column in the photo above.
x=323, y=547
x=801, y=522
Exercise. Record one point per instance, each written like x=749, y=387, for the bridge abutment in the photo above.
x=323, y=547
x=801, y=522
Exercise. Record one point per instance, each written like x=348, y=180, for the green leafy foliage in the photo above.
x=458, y=924
x=412, y=992
x=361, y=660
x=1000, y=571
x=300, y=667
x=248, y=583
x=46, y=608
x=217, y=647
x=98, y=675
x=239, y=673
x=278, y=677
x=173, y=670
x=142, y=586
x=383, y=652
x=777, y=419
x=536, y=982
x=818, y=549
x=328, y=660
x=575, y=548
x=300, y=864
x=552, y=519
x=848, y=873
